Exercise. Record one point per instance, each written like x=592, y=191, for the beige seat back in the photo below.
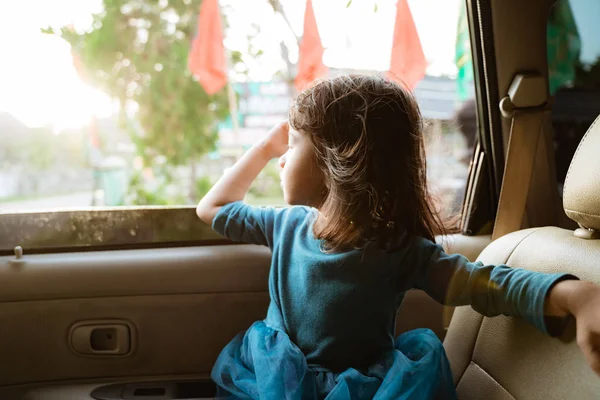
x=506, y=358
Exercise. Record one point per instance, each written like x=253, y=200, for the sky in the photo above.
x=38, y=83
x=354, y=37
x=39, y=86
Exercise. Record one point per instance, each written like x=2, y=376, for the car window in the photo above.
x=574, y=74
x=98, y=106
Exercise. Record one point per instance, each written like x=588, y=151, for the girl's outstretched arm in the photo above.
x=498, y=289
x=234, y=185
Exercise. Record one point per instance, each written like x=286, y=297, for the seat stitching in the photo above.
x=492, y=379
x=512, y=252
x=582, y=213
x=577, y=152
x=474, y=345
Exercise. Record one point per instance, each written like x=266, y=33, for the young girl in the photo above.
x=360, y=232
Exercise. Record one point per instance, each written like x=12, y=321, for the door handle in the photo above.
x=102, y=338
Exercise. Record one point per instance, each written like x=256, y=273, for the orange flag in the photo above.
x=310, y=59
x=206, y=60
x=408, y=62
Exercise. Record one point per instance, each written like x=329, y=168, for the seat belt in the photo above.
x=526, y=105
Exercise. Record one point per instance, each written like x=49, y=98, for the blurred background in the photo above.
x=99, y=105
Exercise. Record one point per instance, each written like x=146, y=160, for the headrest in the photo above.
x=581, y=195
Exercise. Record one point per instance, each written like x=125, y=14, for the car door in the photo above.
x=114, y=314
x=136, y=291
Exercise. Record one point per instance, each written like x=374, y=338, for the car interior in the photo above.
x=84, y=315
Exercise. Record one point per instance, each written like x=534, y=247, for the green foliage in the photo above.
x=137, y=51
x=267, y=184
x=140, y=196
x=203, y=185
x=161, y=193
x=165, y=191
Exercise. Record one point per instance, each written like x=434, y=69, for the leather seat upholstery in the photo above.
x=506, y=358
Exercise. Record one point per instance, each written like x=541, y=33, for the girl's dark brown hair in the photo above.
x=367, y=134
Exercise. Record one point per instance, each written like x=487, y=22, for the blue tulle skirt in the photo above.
x=263, y=363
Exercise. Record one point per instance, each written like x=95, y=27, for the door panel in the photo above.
x=209, y=269
x=176, y=334
x=185, y=305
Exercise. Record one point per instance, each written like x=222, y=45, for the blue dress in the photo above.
x=329, y=329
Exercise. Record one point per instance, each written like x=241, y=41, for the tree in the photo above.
x=136, y=51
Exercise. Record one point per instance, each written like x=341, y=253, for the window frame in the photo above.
x=484, y=180
x=114, y=228
x=120, y=228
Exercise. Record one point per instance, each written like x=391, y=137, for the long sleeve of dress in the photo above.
x=248, y=224
x=489, y=289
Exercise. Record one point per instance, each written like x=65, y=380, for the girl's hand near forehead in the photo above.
x=276, y=142
x=234, y=185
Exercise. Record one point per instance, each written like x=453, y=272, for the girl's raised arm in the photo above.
x=234, y=185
